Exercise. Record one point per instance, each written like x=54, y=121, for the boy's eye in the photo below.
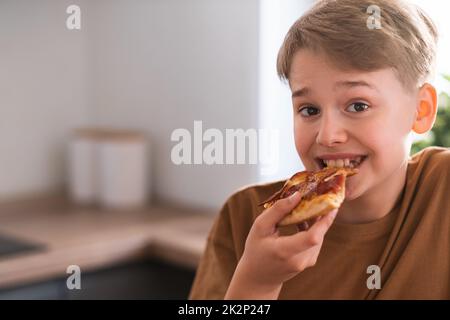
x=357, y=107
x=308, y=111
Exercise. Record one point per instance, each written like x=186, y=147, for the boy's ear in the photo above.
x=426, y=109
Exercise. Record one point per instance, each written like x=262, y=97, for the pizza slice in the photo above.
x=321, y=192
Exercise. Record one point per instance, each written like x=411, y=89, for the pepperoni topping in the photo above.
x=333, y=185
x=328, y=180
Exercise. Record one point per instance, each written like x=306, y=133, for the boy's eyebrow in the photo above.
x=350, y=84
x=300, y=92
x=357, y=83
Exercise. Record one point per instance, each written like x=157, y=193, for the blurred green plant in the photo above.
x=440, y=133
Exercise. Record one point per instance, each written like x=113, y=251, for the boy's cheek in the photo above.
x=297, y=141
x=302, y=144
x=302, y=150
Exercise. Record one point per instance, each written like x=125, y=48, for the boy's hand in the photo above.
x=270, y=259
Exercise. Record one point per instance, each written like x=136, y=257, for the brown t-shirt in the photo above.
x=410, y=245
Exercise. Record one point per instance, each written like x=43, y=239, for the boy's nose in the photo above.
x=330, y=132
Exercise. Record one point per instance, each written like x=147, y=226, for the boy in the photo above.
x=357, y=92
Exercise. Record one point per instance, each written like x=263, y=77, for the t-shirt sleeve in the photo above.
x=218, y=262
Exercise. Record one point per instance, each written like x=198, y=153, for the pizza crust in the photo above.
x=318, y=206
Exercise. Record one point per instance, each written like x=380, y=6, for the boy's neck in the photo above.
x=375, y=203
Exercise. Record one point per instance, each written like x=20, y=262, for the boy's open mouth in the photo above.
x=353, y=162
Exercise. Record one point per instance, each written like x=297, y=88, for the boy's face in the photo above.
x=351, y=113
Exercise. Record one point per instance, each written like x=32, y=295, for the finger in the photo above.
x=305, y=225
x=308, y=258
x=312, y=221
x=314, y=236
x=302, y=226
x=270, y=217
x=322, y=226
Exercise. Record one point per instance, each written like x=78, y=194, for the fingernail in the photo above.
x=333, y=214
x=293, y=196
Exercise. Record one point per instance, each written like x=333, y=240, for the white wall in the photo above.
x=43, y=84
x=159, y=65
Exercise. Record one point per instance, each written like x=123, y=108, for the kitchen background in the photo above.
x=140, y=69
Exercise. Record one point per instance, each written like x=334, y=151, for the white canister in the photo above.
x=82, y=167
x=122, y=159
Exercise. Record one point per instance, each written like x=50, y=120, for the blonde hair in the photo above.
x=406, y=40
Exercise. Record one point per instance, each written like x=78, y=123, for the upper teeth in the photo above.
x=339, y=163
